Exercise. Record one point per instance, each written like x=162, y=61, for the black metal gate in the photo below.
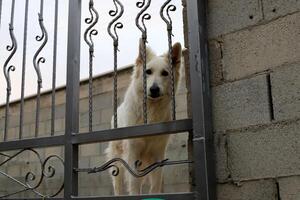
x=201, y=158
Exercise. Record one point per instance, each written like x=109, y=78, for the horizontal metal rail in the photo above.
x=173, y=196
x=171, y=127
x=133, y=132
x=32, y=143
x=33, y=198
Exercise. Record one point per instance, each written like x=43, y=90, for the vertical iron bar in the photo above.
x=90, y=93
x=23, y=70
x=201, y=101
x=7, y=69
x=115, y=37
x=72, y=99
x=144, y=16
x=36, y=64
x=168, y=22
x=54, y=69
x=89, y=32
x=115, y=87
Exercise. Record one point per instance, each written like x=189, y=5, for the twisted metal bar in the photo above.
x=30, y=177
x=7, y=69
x=36, y=63
x=23, y=71
x=167, y=19
x=136, y=172
x=89, y=32
x=117, y=25
x=54, y=69
x=140, y=18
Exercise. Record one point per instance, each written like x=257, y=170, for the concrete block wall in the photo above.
x=254, y=61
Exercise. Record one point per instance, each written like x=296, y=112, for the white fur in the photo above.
x=147, y=149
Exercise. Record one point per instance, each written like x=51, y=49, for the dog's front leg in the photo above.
x=156, y=181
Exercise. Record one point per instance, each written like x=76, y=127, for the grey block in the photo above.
x=277, y=8
x=232, y=15
x=262, y=47
x=241, y=104
x=286, y=92
x=253, y=190
x=289, y=188
x=265, y=153
x=222, y=171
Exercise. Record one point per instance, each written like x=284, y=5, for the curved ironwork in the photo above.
x=32, y=181
x=142, y=16
x=165, y=15
x=140, y=23
x=89, y=32
x=136, y=172
x=119, y=25
x=36, y=63
x=112, y=31
x=7, y=69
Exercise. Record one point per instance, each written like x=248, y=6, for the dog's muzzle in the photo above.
x=154, y=91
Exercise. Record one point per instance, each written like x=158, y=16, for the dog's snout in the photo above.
x=154, y=91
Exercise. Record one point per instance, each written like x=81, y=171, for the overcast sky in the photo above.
x=103, y=62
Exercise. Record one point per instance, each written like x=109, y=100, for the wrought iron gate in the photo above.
x=201, y=159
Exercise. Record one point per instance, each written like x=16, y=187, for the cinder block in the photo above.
x=215, y=62
x=262, y=47
x=45, y=114
x=89, y=149
x=59, y=125
x=241, y=104
x=277, y=8
x=106, y=115
x=231, y=15
x=181, y=103
x=60, y=111
x=176, y=174
x=222, y=170
x=176, y=188
x=267, y=152
x=252, y=190
x=289, y=188
x=102, y=101
x=286, y=92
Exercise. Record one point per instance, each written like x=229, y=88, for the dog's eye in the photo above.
x=148, y=71
x=164, y=73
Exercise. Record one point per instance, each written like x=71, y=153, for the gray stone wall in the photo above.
x=255, y=63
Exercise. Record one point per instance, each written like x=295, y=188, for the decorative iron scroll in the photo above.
x=134, y=172
x=7, y=69
x=112, y=31
x=32, y=181
x=36, y=63
x=140, y=23
x=167, y=19
x=89, y=32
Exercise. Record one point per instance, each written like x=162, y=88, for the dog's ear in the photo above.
x=176, y=54
x=176, y=57
x=149, y=53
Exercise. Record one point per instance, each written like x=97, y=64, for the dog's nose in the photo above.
x=154, y=91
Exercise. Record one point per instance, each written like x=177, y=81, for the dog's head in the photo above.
x=158, y=72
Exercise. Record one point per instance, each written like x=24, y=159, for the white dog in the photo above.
x=147, y=149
